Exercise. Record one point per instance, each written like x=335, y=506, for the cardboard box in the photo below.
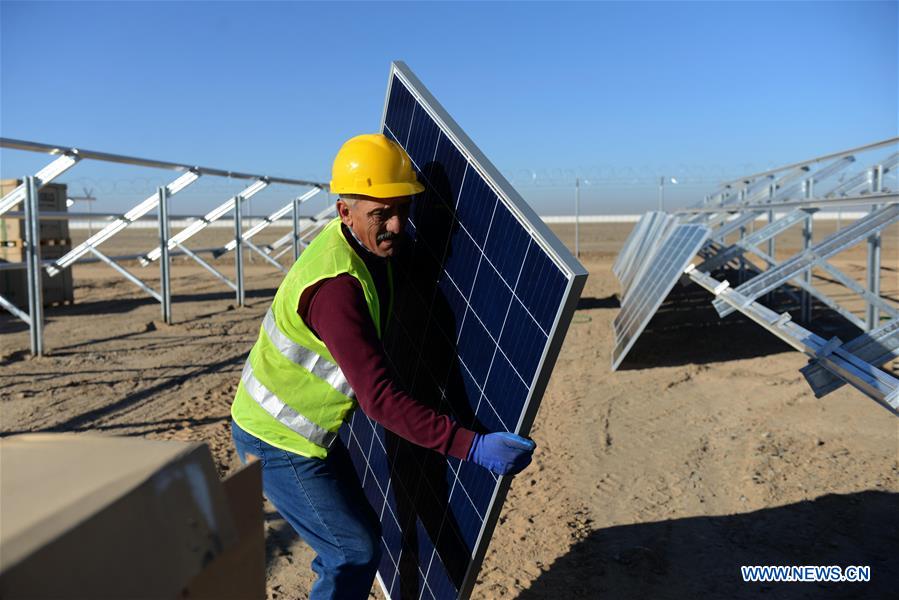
x=239, y=571
x=54, y=290
x=51, y=197
x=104, y=517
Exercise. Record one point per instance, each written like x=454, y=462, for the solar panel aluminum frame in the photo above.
x=543, y=237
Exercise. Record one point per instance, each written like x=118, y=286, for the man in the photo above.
x=319, y=354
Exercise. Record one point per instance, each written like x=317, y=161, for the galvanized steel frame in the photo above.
x=27, y=193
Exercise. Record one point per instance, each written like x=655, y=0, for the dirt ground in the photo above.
x=707, y=451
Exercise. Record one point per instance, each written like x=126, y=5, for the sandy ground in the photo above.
x=707, y=451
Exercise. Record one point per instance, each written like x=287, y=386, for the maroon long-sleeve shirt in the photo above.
x=336, y=311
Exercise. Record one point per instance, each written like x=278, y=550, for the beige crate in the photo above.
x=101, y=517
x=51, y=197
x=56, y=290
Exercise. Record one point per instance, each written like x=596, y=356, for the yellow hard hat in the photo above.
x=373, y=165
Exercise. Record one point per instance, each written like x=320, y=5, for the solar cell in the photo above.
x=650, y=288
x=484, y=295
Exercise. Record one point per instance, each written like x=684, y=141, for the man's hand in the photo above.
x=503, y=453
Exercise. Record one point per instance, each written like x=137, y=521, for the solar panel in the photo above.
x=649, y=290
x=657, y=229
x=633, y=239
x=485, y=294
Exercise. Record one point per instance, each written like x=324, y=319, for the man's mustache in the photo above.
x=383, y=237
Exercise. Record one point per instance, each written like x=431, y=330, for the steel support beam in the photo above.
x=264, y=256
x=147, y=162
x=238, y=249
x=861, y=182
x=15, y=310
x=126, y=274
x=218, y=274
x=807, y=233
x=865, y=199
x=164, y=262
x=883, y=144
x=874, y=248
x=749, y=242
x=738, y=223
x=34, y=275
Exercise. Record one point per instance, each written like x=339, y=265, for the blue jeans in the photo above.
x=323, y=501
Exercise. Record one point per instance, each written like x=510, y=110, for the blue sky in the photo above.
x=610, y=91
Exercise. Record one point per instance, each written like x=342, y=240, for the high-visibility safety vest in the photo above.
x=292, y=394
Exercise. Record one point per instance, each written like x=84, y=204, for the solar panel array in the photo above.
x=661, y=268
x=485, y=294
x=651, y=261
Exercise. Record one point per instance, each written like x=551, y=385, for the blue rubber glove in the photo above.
x=503, y=453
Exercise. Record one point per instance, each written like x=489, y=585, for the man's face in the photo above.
x=378, y=223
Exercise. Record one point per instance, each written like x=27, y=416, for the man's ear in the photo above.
x=343, y=211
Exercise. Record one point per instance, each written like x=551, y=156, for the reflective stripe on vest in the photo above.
x=309, y=360
x=316, y=364
x=285, y=415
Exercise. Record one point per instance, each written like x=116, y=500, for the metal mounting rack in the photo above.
x=651, y=262
x=68, y=157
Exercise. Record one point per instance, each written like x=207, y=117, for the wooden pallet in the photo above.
x=44, y=242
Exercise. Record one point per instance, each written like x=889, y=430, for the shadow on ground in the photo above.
x=11, y=324
x=589, y=302
x=129, y=304
x=700, y=557
x=86, y=421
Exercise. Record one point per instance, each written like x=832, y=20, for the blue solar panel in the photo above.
x=484, y=296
